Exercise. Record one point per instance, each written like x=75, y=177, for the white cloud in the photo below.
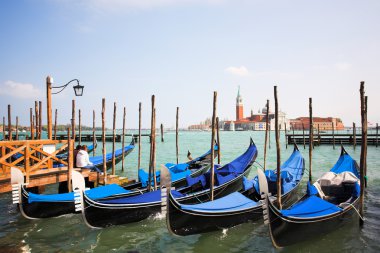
x=19, y=90
x=239, y=71
x=343, y=66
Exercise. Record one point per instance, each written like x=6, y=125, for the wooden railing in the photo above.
x=34, y=155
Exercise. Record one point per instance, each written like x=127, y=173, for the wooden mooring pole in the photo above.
x=218, y=138
x=93, y=133
x=36, y=118
x=70, y=159
x=266, y=135
x=104, y=140
x=286, y=141
x=17, y=128
x=123, y=139
x=10, y=123
x=40, y=121
x=377, y=134
x=80, y=126
x=333, y=134
x=176, y=135
x=311, y=138
x=154, y=150
x=4, y=129
x=293, y=134
x=162, y=132
x=73, y=119
x=31, y=124
x=363, y=152
x=354, y=134
x=139, y=153
x=303, y=135
x=151, y=146
x=55, y=124
x=114, y=139
x=278, y=149
x=212, y=179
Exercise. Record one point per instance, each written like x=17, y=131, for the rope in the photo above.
x=362, y=218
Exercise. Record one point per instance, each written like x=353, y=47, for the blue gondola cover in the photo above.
x=310, y=208
x=95, y=193
x=148, y=197
x=232, y=202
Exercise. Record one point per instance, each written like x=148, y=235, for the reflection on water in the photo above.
x=69, y=234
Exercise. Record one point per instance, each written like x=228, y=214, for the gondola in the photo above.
x=329, y=203
x=36, y=206
x=122, y=210
x=235, y=208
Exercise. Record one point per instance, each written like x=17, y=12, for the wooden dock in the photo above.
x=330, y=139
x=36, y=163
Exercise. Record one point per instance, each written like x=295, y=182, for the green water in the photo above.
x=69, y=234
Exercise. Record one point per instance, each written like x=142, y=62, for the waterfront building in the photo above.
x=324, y=124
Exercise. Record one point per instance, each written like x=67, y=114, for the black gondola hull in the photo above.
x=285, y=231
x=38, y=210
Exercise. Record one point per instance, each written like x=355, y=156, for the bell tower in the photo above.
x=239, y=106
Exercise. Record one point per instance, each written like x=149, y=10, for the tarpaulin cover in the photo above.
x=95, y=193
x=311, y=189
x=232, y=202
x=291, y=172
x=181, y=167
x=311, y=207
x=144, y=177
x=345, y=163
x=192, y=181
x=148, y=197
x=239, y=165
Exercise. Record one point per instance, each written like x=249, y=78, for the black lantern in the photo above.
x=78, y=90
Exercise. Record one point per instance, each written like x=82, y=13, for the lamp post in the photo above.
x=78, y=90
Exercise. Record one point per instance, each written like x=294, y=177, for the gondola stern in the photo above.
x=78, y=187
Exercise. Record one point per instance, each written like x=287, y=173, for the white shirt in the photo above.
x=83, y=159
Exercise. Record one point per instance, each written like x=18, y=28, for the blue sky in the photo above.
x=182, y=51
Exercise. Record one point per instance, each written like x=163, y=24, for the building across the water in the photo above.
x=256, y=121
x=324, y=124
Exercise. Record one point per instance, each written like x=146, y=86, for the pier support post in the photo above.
x=377, y=134
x=36, y=119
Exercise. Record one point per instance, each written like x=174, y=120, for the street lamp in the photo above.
x=78, y=90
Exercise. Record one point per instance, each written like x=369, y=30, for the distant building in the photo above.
x=255, y=122
x=325, y=124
